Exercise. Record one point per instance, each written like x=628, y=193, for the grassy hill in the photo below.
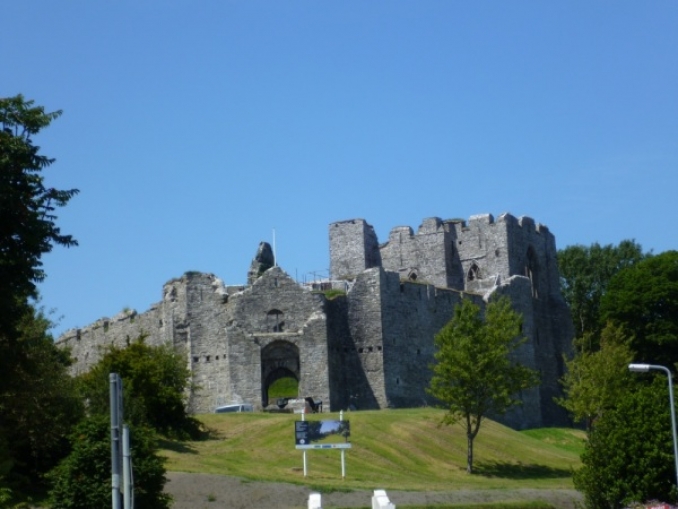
x=395, y=449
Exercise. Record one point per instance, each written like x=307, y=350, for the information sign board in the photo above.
x=322, y=434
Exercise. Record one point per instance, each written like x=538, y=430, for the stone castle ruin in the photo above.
x=369, y=342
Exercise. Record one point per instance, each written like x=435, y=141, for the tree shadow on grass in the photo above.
x=176, y=446
x=520, y=471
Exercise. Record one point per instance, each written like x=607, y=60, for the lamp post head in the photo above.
x=639, y=368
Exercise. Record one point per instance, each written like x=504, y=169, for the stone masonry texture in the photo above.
x=370, y=346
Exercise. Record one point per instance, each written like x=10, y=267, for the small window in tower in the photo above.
x=207, y=358
x=370, y=349
x=196, y=359
x=473, y=273
x=360, y=350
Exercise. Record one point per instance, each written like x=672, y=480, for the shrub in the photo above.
x=83, y=479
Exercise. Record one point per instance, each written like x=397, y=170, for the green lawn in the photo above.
x=394, y=449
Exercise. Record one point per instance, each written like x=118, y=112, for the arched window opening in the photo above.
x=275, y=321
x=473, y=272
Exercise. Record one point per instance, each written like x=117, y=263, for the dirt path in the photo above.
x=203, y=491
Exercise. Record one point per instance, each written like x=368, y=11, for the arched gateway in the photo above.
x=279, y=359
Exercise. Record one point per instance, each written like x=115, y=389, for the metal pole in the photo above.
x=343, y=451
x=126, y=469
x=343, y=463
x=304, y=453
x=113, y=379
x=673, y=418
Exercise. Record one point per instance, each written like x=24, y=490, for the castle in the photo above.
x=368, y=342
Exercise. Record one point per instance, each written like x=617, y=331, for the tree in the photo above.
x=594, y=381
x=154, y=380
x=628, y=456
x=83, y=479
x=644, y=300
x=36, y=407
x=40, y=402
x=585, y=275
x=27, y=208
x=474, y=375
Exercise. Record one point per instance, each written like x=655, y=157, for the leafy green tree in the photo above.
x=628, y=456
x=154, y=381
x=585, y=275
x=594, y=381
x=474, y=375
x=36, y=407
x=83, y=479
x=27, y=208
x=644, y=300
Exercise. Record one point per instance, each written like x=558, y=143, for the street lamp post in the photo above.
x=644, y=368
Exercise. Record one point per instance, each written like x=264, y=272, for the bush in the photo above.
x=83, y=479
x=629, y=453
x=154, y=382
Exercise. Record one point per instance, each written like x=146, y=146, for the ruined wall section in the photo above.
x=530, y=414
x=165, y=323
x=413, y=314
x=198, y=334
x=428, y=256
x=276, y=309
x=345, y=370
x=533, y=255
x=353, y=248
x=482, y=246
x=364, y=362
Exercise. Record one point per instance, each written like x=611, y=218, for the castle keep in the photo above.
x=371, y=345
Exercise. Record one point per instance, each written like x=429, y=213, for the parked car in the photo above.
x=234, y=408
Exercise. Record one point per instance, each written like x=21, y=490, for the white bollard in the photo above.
x=314, y=501
x=380, y=500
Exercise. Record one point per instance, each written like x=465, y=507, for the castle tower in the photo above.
x=353, y=248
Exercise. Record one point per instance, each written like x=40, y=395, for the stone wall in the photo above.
x=370, y=348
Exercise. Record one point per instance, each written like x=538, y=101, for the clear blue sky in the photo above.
x=193, y=129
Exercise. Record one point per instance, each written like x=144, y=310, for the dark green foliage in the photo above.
x=585, y=275
x=27, y=218
x=36, y=398
x=473, y=374
x=83, y=479
x=154, y=380
x=644, y=299
x=39, y=402
x=629, y=454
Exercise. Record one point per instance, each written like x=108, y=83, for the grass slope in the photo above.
x=394, y=449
